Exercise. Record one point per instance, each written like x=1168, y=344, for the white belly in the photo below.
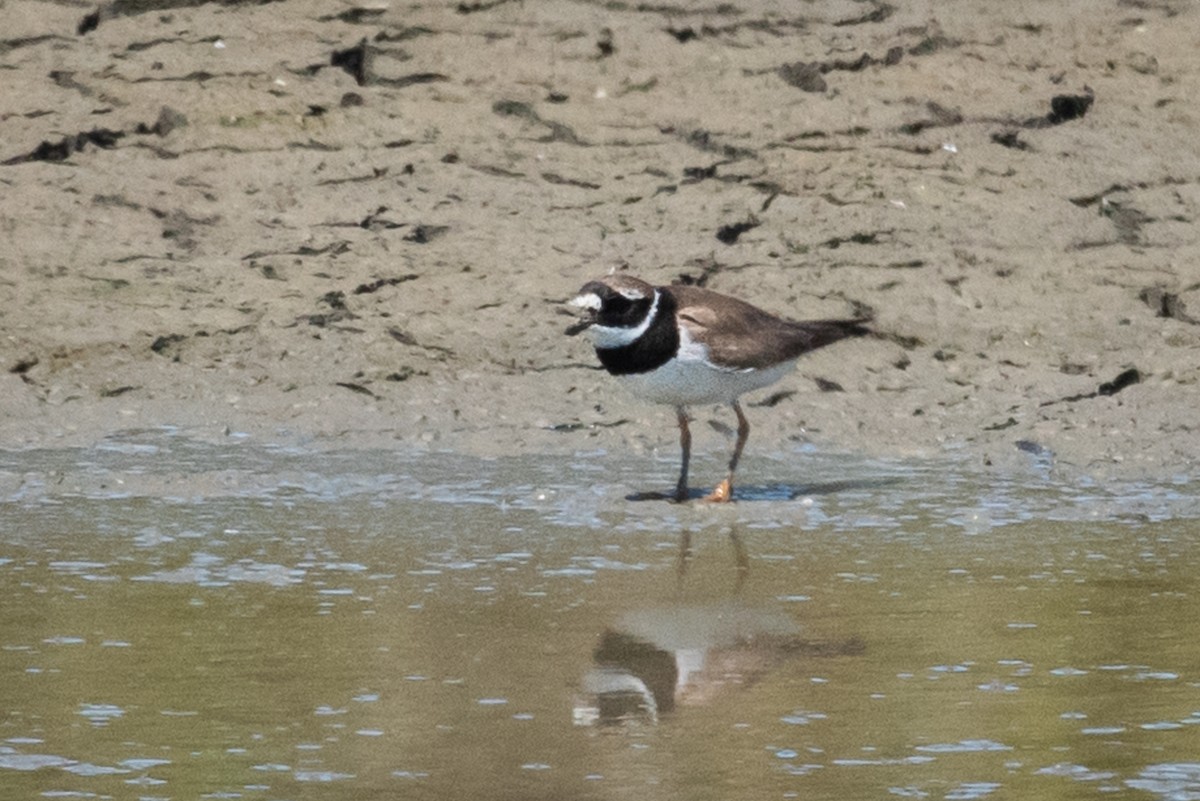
x=689, y=383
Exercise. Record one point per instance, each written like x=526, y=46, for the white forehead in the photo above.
x=588, y=300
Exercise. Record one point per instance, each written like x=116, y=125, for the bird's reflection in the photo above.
x=654, y=660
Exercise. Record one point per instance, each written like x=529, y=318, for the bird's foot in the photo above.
x=722, y=494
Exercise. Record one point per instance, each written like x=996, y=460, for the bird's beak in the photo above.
x=578, y=328
x=587, y=305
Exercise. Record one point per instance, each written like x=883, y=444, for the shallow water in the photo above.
x=182, y=620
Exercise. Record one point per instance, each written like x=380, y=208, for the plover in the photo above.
x=684, y=345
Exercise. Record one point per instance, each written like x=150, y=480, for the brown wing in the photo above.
x=741, y=336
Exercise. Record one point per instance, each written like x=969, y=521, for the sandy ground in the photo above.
x=355, y=226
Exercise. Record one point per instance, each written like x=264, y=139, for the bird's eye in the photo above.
x=616, y=304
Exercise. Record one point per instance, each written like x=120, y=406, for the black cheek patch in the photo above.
x=618, y=311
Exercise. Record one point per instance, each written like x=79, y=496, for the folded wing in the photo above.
x=740, y=336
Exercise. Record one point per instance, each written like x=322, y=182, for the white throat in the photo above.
x=606, y=337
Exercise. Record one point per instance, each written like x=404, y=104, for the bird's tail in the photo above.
x=813, y=334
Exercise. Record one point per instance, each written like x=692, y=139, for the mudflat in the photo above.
x=355, y=225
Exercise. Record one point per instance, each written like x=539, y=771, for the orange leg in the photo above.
x=724, y=491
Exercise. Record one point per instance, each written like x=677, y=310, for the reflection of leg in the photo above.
x=685, y=554
x=724, y=490
x=740, y=559
x=685, y=445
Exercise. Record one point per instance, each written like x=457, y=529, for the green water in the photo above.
x=192, y=621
